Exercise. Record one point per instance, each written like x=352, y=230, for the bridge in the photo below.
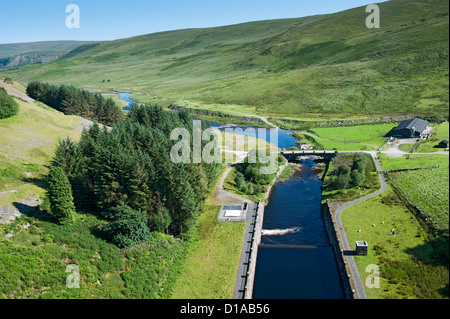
x=290, y=155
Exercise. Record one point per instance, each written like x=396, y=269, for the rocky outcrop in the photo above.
x=9, y=213
x=29, y=58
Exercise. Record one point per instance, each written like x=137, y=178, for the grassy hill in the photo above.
x=327, y=64
x=13, y=49
x=27, y=144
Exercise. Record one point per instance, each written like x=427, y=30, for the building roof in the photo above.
x=362, y=244
x=418, y=125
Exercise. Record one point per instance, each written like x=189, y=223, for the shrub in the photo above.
x=8, y=107
x=342, y=179
x=128, y=228
x=357, y=178
x=162, y=220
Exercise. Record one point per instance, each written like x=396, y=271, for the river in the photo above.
x=126, y=97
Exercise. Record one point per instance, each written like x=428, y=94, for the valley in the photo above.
x=146, y=227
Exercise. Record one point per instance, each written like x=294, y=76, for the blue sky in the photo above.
x=45, y=20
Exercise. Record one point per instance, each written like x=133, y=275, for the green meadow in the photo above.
x=412, y=265
x=210, y=268
x=347, y=138
x=439, y=134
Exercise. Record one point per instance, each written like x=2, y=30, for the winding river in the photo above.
x=126, y=97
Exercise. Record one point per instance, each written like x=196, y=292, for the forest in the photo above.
x=73, y=101
x=125, y=174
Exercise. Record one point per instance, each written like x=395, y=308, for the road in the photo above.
x=338, y=209
x=222, y=197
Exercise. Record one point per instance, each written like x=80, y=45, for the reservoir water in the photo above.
x=285, y=138
x=296, y=260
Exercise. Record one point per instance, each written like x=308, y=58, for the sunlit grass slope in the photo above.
x=328, y=64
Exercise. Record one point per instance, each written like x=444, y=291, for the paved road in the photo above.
x=338, y=209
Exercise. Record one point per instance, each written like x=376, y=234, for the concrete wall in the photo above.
x=254, y=252
x=338, y=251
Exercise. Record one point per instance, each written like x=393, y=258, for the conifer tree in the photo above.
x=129, y=227
x=60, y=196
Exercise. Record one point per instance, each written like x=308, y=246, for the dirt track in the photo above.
x=221, y=196
x=16, y=93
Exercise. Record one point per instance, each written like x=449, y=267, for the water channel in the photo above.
x=295, y=258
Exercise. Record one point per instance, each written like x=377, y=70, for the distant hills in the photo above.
x=20, y=54
x=327, y=64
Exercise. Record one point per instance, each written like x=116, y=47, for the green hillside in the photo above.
x=328, y=64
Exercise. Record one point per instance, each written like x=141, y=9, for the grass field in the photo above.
x=366, y=134
x=349, y=138
x=210, y=268
x=440, y=133
x=411, y=266
x=428, y=190
x=413, y=161
x=27, y=143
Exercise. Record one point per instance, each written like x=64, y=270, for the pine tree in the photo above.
x=129, y=227
x=161, y=220
x=60, y=195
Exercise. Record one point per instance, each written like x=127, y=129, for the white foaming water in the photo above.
x=280, y=232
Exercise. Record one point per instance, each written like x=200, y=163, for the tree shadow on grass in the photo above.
x=435, y=253
x=35, y=212
x=38, y=181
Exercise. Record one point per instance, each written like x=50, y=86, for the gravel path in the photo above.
x=16, y=93
x=222, y=196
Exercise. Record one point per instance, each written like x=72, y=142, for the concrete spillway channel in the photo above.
x=243, y=288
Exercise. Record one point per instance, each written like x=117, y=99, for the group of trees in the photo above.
x=346, y=176
x=247, y=187
x=8, y=107
x=73, y=101
x=249, y=179
x=127, y=175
